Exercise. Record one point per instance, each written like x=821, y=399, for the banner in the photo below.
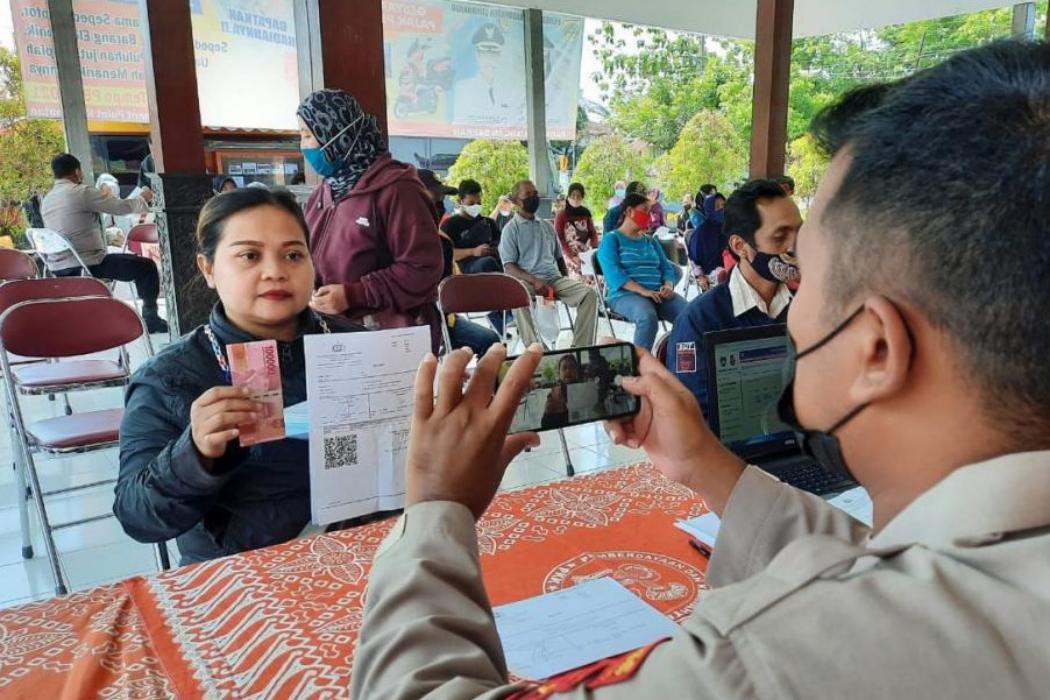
x=457, y=69
x=247, y=76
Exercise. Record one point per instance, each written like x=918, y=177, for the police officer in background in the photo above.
x=920, y=368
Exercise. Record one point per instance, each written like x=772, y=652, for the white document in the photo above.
x=359, y=389
x=703, y=528
x=563, y=630
x=856, y=503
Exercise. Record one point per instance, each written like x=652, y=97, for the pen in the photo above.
x=704, y=550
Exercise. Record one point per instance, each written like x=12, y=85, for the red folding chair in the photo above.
x=660, y=348
x=487, y=292
x=16, y=265
x=139, y=234
x=57, y=329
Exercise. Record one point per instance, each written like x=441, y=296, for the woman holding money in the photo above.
x=201, y=460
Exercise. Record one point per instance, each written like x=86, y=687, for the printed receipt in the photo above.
x=359, y=389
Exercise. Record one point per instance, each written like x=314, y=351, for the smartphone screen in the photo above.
x=579, y=385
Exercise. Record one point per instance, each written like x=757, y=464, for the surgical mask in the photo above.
x=820, y=445
x=620, y=192
x=319, y=161
x=472, y=210
x=776, y=268
x=530, y=204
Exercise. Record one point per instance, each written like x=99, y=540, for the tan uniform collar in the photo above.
x=976, y=504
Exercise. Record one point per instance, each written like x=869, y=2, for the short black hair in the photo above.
x=633, y=200
x=577, y=187
x=928, y=241
x=741, y=211
x=786, y=180
x=217, y=211
x=637, y=186
x=469, y=186
x=708, y=189
x=64, y=165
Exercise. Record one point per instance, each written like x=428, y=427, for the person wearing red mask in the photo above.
x=639, y=277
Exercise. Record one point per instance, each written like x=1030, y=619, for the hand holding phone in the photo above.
x=575, y=386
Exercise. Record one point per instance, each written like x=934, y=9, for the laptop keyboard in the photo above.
x=808, y=476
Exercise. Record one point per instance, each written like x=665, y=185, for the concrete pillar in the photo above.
x=536, y=105
x=769, y=109
x=181, y=184
x=71, y=84
x=1024, y=20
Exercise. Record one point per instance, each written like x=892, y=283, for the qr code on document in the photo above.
x=340, y=451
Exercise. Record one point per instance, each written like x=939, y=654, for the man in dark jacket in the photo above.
x=762, y=223
x=475, y=235
x=249, y=498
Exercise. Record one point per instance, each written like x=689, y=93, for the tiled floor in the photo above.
x=99, y=552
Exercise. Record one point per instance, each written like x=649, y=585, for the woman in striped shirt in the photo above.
x=639, y=277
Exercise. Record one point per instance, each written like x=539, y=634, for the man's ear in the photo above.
x=885, y=352
x=206, y=270
x=737, y=244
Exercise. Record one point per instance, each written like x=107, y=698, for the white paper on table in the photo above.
x=856, y=503
x=703, y=528
x=359, y=389
x=566, y=629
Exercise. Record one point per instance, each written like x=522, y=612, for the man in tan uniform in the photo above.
x=921, y=369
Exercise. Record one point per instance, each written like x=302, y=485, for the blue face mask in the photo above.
x=321, y=165
x=319, y=161
x=620, y=192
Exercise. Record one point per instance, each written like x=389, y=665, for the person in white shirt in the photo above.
x=75, y=210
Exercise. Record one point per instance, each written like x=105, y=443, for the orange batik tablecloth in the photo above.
x=282, y=622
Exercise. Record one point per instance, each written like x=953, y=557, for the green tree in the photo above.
x=807, y=164
x=26, y=147
x=708, y=150
x=606, y=160
x=496, y=165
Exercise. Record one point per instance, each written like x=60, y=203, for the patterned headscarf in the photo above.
x=335, y=116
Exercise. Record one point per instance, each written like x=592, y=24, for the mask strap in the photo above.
x=830, y=336
x=847, y=418
x=340, y=133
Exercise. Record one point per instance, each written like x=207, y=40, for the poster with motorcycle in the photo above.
x=457, y=69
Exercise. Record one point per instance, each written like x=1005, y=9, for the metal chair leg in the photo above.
x=569, y=469
x=163, y=560
x=23, y=510
x=45, y=523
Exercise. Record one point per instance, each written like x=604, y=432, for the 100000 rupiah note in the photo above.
x=255, y=365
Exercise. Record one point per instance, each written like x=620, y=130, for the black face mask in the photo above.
x=776, y=268
x=822, y=446
x=531, y=204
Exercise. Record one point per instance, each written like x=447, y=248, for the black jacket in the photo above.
x=253, y=497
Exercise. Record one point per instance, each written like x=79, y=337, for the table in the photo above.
x=282, y=622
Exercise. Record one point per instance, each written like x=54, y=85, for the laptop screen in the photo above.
x=745, y=380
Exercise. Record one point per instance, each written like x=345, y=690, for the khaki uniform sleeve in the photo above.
x=98, y=201
x=428, y=629
x=762, y=517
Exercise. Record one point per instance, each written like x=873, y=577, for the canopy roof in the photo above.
x=736, y=18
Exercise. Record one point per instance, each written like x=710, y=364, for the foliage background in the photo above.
x=496, y=165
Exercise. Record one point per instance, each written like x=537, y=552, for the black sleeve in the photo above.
x=163, y=488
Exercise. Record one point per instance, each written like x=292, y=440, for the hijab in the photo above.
x=329, y=112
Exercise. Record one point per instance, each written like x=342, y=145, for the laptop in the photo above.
x=744, y=381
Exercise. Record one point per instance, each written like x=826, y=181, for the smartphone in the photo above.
x=575, y=386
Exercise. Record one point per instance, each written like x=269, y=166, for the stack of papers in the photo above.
x=563, y=630
x=856, y=503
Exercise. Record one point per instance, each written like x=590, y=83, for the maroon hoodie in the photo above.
x=379, y=241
